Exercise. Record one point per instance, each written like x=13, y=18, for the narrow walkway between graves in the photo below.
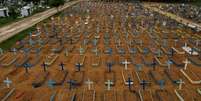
x=10, y=30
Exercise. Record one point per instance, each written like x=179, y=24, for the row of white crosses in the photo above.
x=126, y=63
x=186, y=62
x=90, y=83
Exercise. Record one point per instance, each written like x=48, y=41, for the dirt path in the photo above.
x=14, y=28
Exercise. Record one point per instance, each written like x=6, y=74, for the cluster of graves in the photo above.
x=99, y=51
x=184, y=10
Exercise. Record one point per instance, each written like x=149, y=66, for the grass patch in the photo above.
x=7, y=20
x=5, y=45
x=197, y=3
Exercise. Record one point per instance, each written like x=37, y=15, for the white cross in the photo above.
x=7, y=82
x=109, y=83
x=89, y=83
x=186, y=64
x=180, y=83
x=197, y=42
x=185, y=44
x=169, y=64
x=66, y=52
x=1, y=51
x=126, y=64
x=14, y=50
x=119, y=42
x=96, y=51
x=81, y=50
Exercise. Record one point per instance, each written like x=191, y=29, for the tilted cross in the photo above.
x=186, y=62
x=96, y=51
x=71, y=83
x=81, y=50
x=26, y=50
x=66, y=52
x=71, y=41
x=197, y=42
x=169, y=62
x=40, y=42
x=109, y=83
x=78, y=65
x=140, y=42
x=109, y=51
x=109, y=65
x=146, y=51
x=37, y=51
x=95, y=41
x=192, y=50
x=89, y=83
x=51, y=83
x=172, y=52
x=85, y=42
x=7, y=82
x=161, y=83
x=30, y=34
x=154, y=63
x=60, y=41
x=143, y=83
x=119, y=42
x=129, y=82
x=44, y=65
x=133, y=50
x=27, y=66
x=14, y=51
x=139, y=67
x=175, y=42
x=1, y=51
x=185, y=45
x=121, y=51
x=126, y=63
x=31, y=42
x=159, y=52
x=62, y=66
x=180, y=82
x=164, y=43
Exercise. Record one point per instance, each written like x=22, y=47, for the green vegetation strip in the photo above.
x=11, y=41
x=197, y=3
x=7, y=20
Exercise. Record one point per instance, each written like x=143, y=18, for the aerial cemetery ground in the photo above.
x=104, y=51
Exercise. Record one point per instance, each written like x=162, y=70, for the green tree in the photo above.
x=34, y=1
x=56, y=3
x=13, y=12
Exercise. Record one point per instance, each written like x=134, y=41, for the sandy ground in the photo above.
x=73, y=26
